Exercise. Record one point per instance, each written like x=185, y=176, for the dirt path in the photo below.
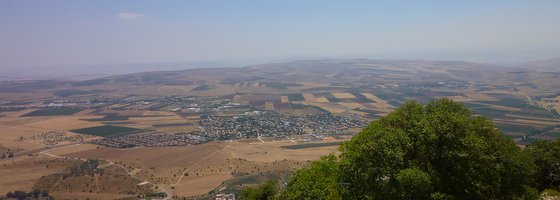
x=196, y=163
x=97, y=183
x=51, y=155
x=143, y=181
x=42, y=149
x=130, y=173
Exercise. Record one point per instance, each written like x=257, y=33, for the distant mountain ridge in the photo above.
x=318, y=70
x=337, y=71
x=291, y=76
x=549, y=65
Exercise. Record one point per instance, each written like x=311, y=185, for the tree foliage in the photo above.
x=437, y=151
x=413, y=183
x=34, y=194
x=547, y=158
x=317, y=181
x=266, y=191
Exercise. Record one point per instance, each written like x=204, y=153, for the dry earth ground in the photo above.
x=21, y=173
x=343, y=95
x=208, y=165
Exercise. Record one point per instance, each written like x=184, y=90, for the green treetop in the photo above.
x=434, y=151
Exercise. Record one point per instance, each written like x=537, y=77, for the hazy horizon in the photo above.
x=61, y=37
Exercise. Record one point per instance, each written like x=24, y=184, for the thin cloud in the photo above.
x=129, y=16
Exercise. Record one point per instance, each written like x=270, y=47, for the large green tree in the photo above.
x=315, y=182
x=547, y=158
x=437, y=151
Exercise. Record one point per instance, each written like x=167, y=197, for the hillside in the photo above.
x=549, y=65
x=278, y=77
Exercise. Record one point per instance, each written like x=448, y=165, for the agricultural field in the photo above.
x=106, y=130
x=295, y=97
x=515, y=117
x=552, y=103
x=202, y=88
x=53, y=112
x=343, y=95
x=17, y=132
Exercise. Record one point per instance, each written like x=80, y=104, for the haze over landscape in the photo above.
x=279, y=100
x=63, y=37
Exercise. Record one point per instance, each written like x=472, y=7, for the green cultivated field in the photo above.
x=302, y=106
x=515, y=128
x=526, y=111
x=295, y=97
x=109, y=117
x=107, y=130
x=371, y=113
x=202, y=88
x=53, y=112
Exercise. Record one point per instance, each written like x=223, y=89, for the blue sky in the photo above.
x=51, y=34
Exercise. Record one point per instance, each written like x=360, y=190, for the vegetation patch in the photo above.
x=34, y=194
x=295, y=97
x=394, y=99
x=109, y=117
x=302, y=106
x=113, y=123
x=360, y=98
x=53, y=112
x=534, y=111
x=395, y=103
x=282, y=106
x=203, y=88
x=371, y=113
x=328, y=96
x=107, y=130
x=490, y=112
x=515, y=128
